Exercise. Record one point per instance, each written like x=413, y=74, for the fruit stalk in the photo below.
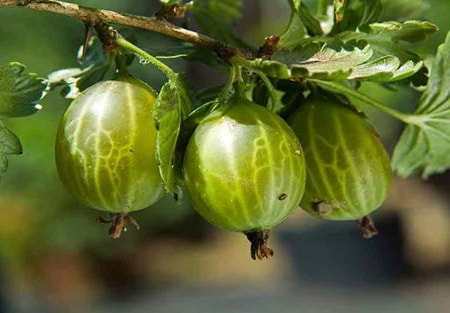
x=367, y=227
x=259, y=248
x=118, y=223
x=171, y=75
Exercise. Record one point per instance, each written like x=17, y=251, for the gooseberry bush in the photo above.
x=285, y=131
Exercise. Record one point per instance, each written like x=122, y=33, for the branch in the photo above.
x=93, y=16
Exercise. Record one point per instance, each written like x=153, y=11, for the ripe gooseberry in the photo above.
x=105, y=149
x=348, y=170
x=244, y=171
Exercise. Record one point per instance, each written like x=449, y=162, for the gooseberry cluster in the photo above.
x=245, y=168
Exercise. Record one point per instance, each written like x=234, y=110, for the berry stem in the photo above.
x=228, y=88
x=171, y=75
x=367, y=227
x=259, y=249
x=238, y=60
x=118, y=223
x=125, y=44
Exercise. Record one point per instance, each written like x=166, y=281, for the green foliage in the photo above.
x=19, y=94
x=424, y=146
x=19, y=91
x=357, y=48
x=349, y=61
x=9, y=144
x=95, y=66
x=331, y=54
x=168, y=116
x=410, y=31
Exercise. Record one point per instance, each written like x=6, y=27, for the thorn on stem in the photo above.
x=87, y=38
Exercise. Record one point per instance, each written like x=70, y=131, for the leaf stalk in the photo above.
x=340, y=88
x=171, y=75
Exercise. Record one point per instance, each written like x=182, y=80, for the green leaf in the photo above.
x=387, y=38
x=9, y=144
x=392, y=38
x=385, y=69
x=95, y=66
x=409, y=31
x=168, y=117
x=424, y=146
x=332, y=59
x=19, y=91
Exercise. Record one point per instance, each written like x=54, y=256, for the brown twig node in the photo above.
x=367, y=227
x=118, y=223
x=106, y=34
x=259, y=248
x=268, y=48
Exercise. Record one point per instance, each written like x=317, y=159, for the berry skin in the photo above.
x=105, y=147
x=244, y=170
x=348, y=170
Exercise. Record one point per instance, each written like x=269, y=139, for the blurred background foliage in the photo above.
x=55, y=258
